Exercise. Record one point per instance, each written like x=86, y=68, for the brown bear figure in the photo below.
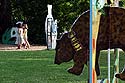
x=111, y=35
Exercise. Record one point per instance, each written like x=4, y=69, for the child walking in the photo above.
x=25, y=27
x=20, y=34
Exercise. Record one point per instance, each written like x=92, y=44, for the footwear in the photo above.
x=18, y=47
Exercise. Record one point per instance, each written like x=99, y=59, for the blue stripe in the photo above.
x=90, y=44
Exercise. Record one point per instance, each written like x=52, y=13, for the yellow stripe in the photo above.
x=76, y=45
x=79, y=48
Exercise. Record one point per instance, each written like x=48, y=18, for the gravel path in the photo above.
x=4, y=47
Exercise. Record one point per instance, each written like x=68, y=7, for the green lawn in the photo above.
x=35, y=67
x=104, y=64
x=38, y=67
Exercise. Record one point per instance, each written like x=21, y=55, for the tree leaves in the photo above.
x=35, y=11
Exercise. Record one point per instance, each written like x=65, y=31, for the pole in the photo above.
x=48, y=27
x=109, y=65
x=116, y=65
x=49, y=34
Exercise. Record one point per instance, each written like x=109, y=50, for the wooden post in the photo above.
x=95, y=28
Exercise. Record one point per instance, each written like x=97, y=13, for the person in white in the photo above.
x=20, y=34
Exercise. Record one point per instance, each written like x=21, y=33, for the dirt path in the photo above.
x=4, y=47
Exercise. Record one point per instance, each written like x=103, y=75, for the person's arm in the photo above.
x=26, y=26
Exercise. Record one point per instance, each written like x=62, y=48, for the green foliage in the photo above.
x=35, y=11
x=67, y=11
x=122, y=3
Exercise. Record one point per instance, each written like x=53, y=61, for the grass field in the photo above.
x=38, y=67
x=104, y=64
x=35, y=67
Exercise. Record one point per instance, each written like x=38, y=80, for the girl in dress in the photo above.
x=20, y=34
x=25, y=28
